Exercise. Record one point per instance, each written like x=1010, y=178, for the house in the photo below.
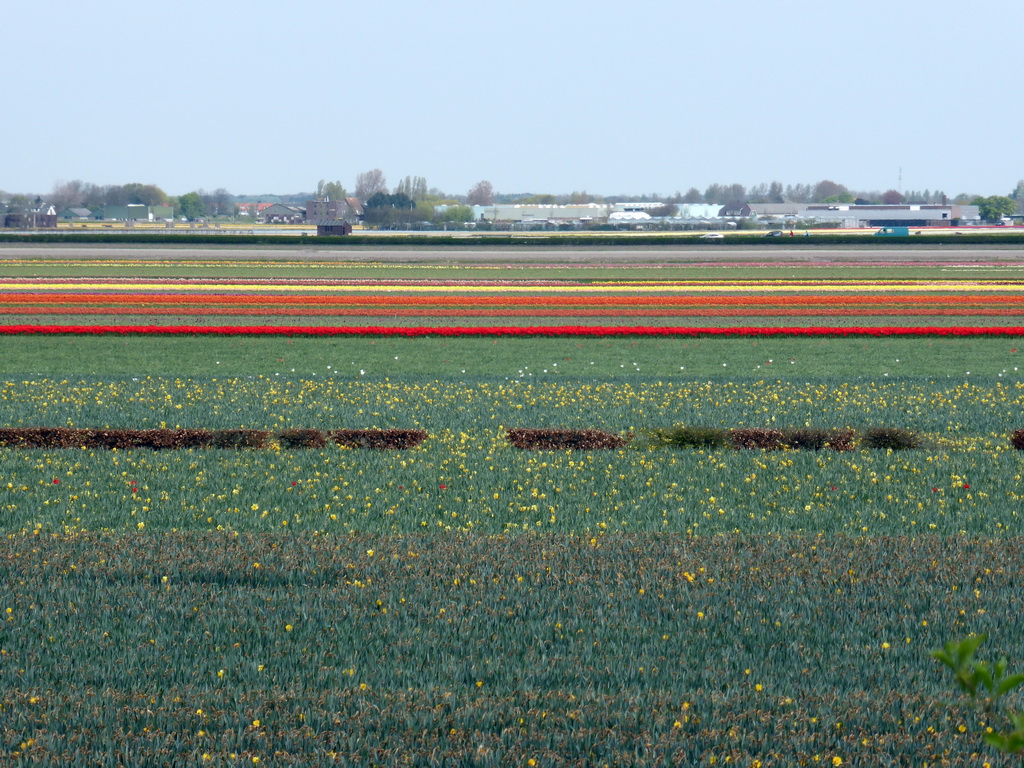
x=74, y=214
x=736, y=210
x=283, y=214
x=40, y=216
x=326, y=211
x=355, y=206
x=252, y=209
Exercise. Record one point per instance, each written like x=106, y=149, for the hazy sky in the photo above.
x=535, y=96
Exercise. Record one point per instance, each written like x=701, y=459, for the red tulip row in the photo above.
x=556, y=330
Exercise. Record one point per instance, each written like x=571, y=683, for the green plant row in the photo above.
x=562, y=239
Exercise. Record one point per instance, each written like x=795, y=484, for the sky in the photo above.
x=541, y=96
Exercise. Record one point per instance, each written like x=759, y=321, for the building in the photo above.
x=355, y=206
x=39, y=216
x=134, y=212
x=778, y=211
x=327, y=211
x=736, y=210
x=279, y=213
x=75, y=214
x=582, y=212
x=252, y=209
x=924, y=215
x=336, y=227
x=848, y=216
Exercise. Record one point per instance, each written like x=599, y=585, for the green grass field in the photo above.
x=512, y=358
x=465, y=603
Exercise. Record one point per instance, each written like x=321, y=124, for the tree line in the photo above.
x=80, y=194
x=413, y=199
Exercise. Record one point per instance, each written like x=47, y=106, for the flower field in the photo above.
x=462, y=602
x=216, y=649
x=580, y=296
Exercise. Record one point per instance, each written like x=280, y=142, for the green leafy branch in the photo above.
x=985, y=683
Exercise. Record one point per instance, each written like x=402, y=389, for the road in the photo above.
x=524, y=254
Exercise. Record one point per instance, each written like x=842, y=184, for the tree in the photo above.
x=715, y=194
x=798, y=193
x=758, y=193
x=994, y=208
x=144, y=194
x=413, y=187
x=220, y=202
x=540, y=200
x=19, y=203
x=330, y=190
x=94, y=196
x=384, y=200
x=190, y=205
x=668, y=209
x=482, y=193
x=775, y=194
x=370, y=183
x=734, y=193
x=692, y=196
x=424, y=211
x=892, y=197
x=389, y=210
x=68, y=194
x=841, y=198
x=825, y=189
x=1018, y=195
x=457, y=214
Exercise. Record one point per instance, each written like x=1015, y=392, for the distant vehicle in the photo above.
x=893, y=232
x=774, y=233
x=712, y=236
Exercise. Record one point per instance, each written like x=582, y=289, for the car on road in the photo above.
x=774, y=233
x=712, y=236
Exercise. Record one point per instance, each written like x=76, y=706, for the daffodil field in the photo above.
x=468, y=603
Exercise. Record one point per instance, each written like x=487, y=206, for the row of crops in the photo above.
x=505, y=301
x=479, y=482
x=965, y=479
x=949, y=406
x=221, y=649
x=680, y=436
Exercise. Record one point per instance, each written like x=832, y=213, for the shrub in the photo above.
x=301, y=438
x=810, y=439
x=189, y=438
x=891, y=438
x=755, y=438
x=239, y=438
x=378, y=439
x=40, y=437
x=691, y=437
x=565, y=439
x=1017, y=439
x=122, y=439
x=806, y=438
x=842, y=440
x=64, y=437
